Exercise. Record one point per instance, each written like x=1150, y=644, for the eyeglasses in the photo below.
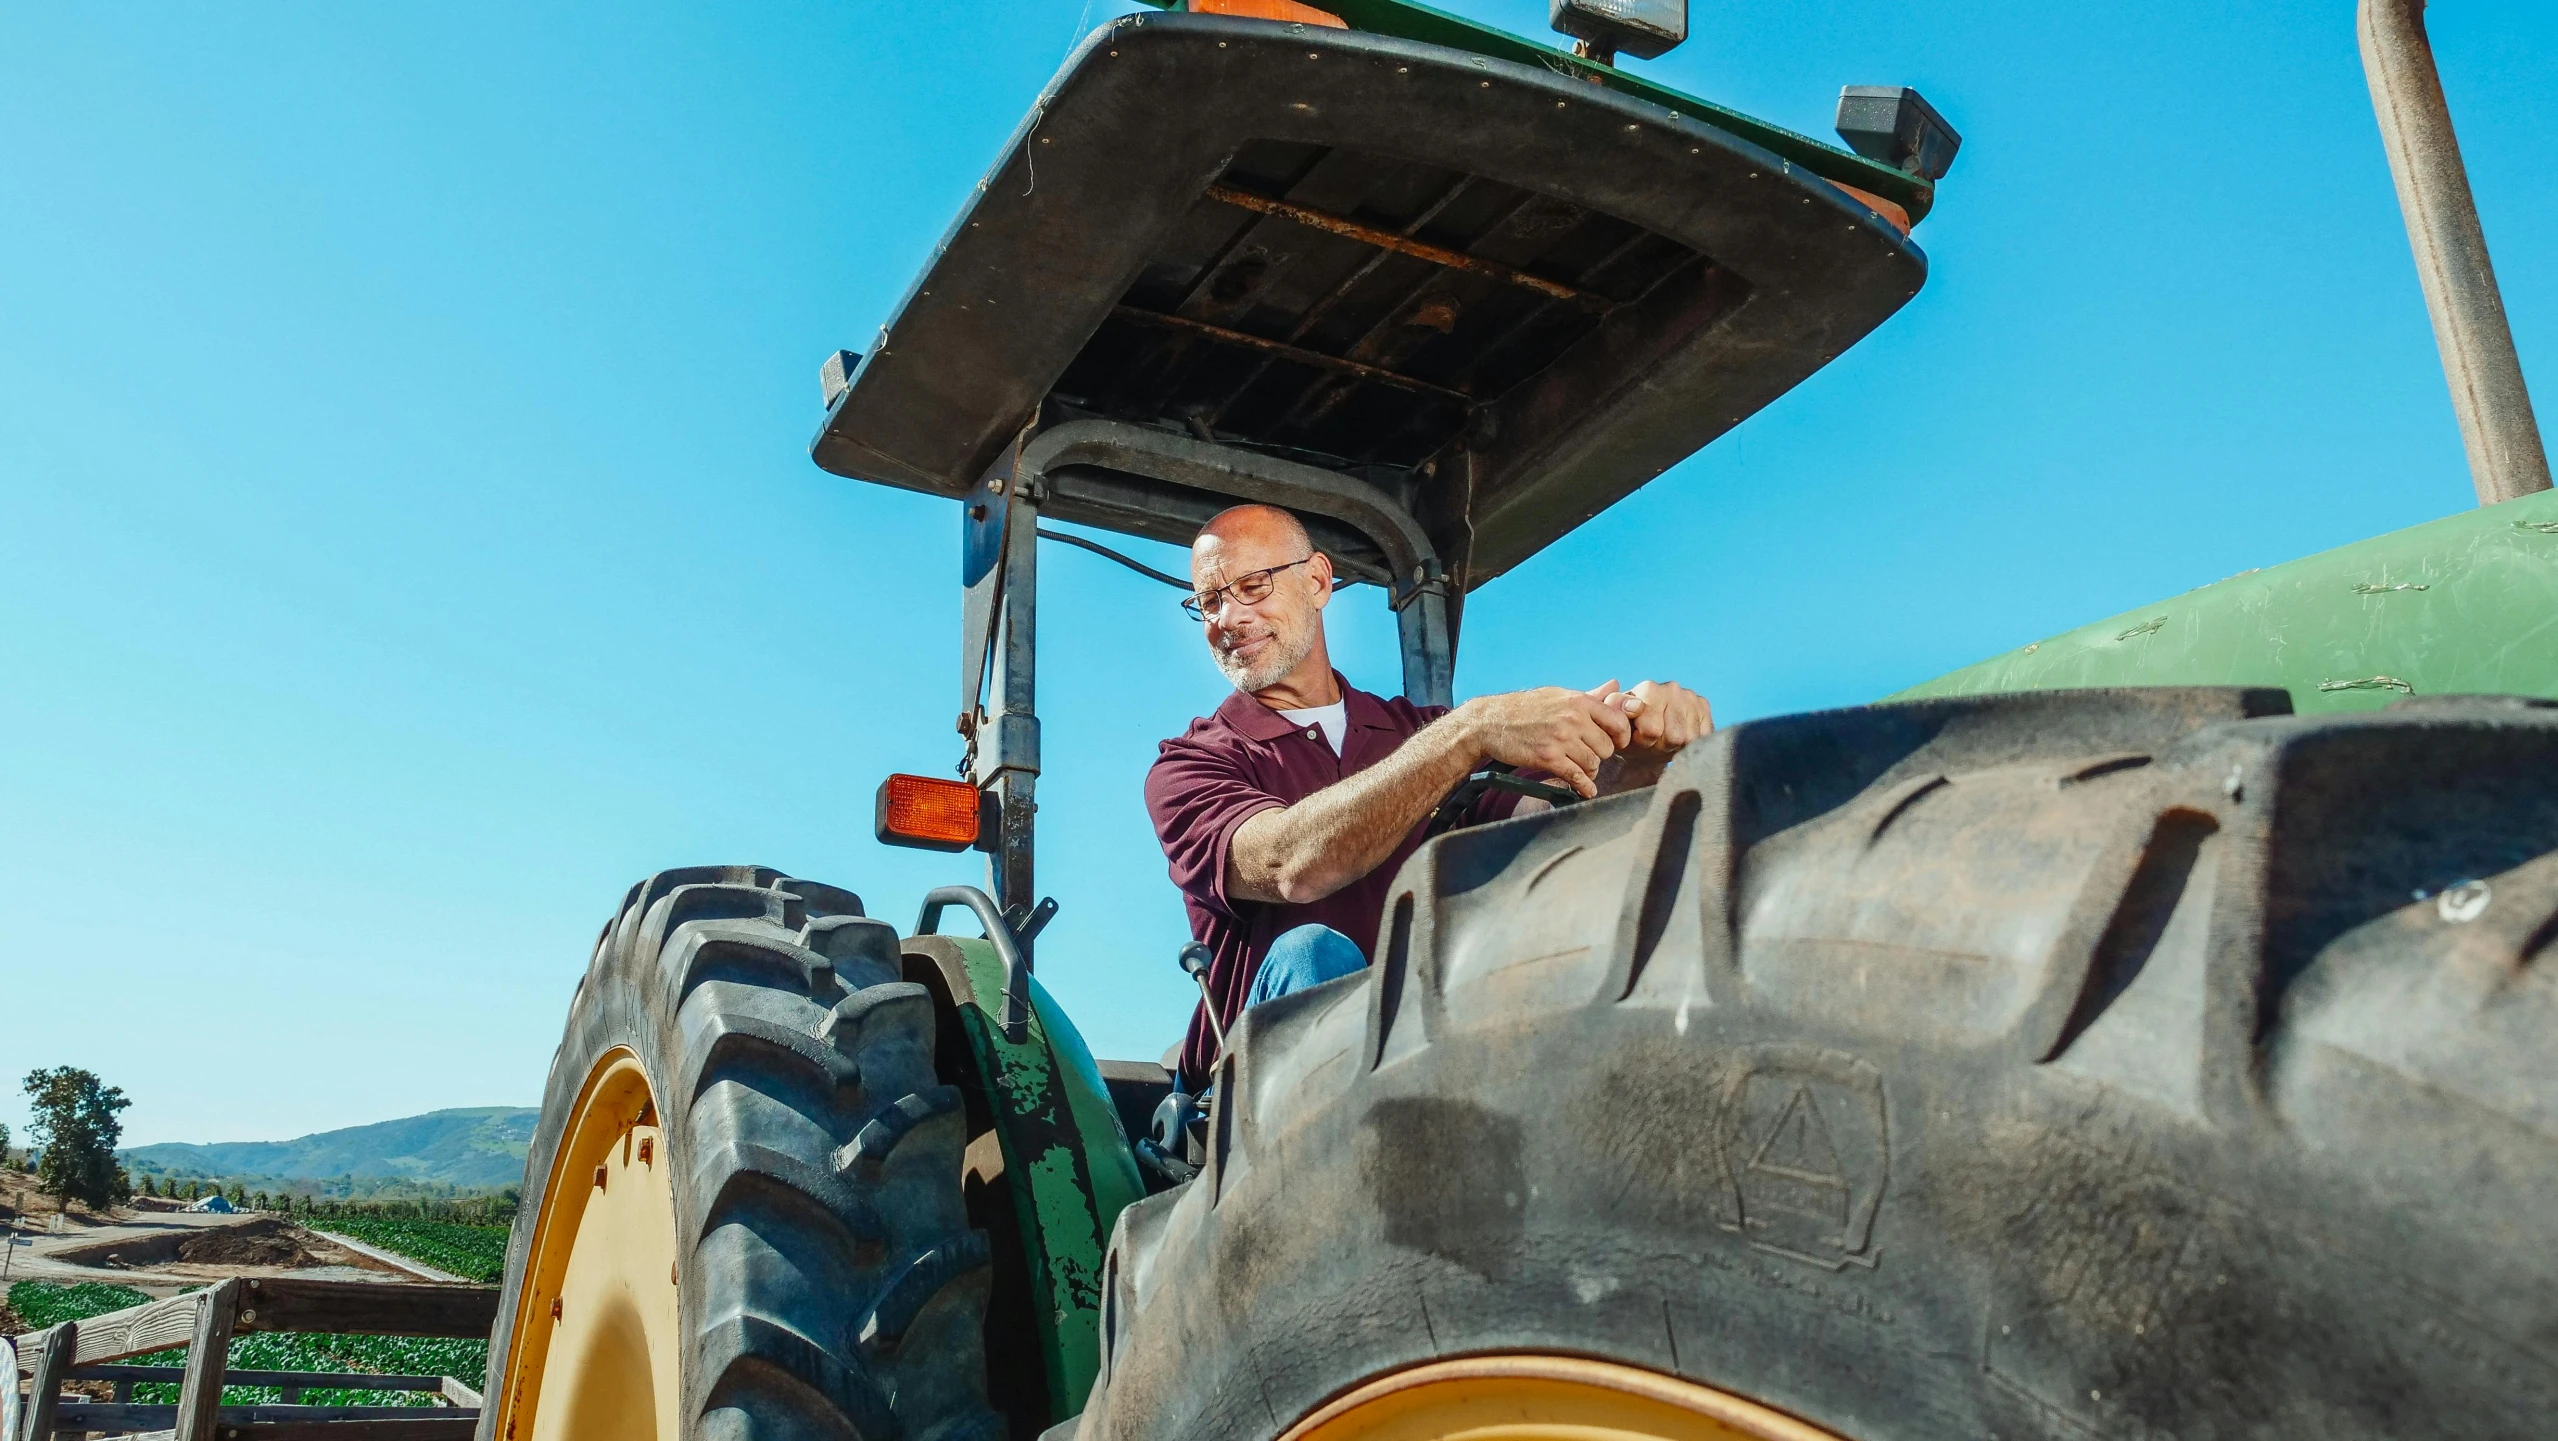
x=1250, y=588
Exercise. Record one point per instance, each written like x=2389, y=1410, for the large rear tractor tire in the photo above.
x=2136, y=1064
x=741, y=1213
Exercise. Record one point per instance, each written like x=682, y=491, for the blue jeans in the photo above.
x=1305, y=957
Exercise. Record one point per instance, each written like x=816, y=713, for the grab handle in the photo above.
x=1014, y=1019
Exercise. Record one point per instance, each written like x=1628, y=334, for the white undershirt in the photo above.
x=1334, y=719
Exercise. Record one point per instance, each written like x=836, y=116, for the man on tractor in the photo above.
x=1286, y=814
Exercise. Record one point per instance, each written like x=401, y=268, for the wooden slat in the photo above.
x=459, y=1394
x=369, y=1308
x=208, y=1356
x=449, y=1426
x=59, y=1345
x=8, y=1389
x=340, y=1380
x=76, y=1416
x=139, y=1330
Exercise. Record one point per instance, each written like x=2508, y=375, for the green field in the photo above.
x=41, y=1304
x=475, y=1253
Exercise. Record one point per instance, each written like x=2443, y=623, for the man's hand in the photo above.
x=1665, y=718
x=1568, y=734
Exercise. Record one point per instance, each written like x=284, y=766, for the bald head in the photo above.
x=1256, y=527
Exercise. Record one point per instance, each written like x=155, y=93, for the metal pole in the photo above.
x=999, y=564
x=2487, y=392
x=1011, y=763
x=1429, y=650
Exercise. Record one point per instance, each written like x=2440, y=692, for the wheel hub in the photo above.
x=595, y=1353
x=1543, y=1398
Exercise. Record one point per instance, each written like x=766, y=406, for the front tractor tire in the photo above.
x=742, y=1214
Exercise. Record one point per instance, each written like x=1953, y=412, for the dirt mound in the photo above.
x=262, y=1242
x=255, y=1242
x=146, y=1249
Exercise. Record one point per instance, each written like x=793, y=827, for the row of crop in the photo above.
x=493, y=1209
x=41, y=1304
x=474, y=1253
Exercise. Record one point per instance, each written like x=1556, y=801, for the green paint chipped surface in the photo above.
x=1077, y=1274
x=2465, y=605
x=1069, y=1164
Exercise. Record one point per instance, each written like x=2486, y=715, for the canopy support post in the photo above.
x=1429, y=643
x=999, y=676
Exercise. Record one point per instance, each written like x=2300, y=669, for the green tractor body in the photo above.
x=1068, y=1168
x=2458, y=606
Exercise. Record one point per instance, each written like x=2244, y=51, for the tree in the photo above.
x=238, y=1196
x=258, y=1202
x=4, y=1145
x=75, y=1123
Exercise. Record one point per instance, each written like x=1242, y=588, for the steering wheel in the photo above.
x=1493, y=777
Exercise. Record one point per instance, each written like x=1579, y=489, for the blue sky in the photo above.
x=407, y=535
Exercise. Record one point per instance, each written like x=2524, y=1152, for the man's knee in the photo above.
x=1303, y=958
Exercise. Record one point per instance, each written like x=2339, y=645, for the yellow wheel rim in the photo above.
x=1543, y=1398
x=593, y=1355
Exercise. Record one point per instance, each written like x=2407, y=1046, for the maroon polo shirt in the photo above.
x=1233, y=765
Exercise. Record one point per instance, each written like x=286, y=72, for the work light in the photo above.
x=1896, y=125
x=928, y=813
x=1641, y=28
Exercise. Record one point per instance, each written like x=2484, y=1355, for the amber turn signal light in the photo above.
x=927, y=813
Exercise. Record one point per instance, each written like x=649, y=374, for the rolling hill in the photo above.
x=473, y=1148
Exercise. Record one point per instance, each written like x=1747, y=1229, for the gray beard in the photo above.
x=1284, y=657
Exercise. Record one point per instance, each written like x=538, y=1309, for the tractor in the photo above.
x=2139, y=1035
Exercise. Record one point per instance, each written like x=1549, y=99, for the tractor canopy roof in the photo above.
x=1496, y=286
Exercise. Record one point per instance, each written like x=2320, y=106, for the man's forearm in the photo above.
x=1304, y=852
